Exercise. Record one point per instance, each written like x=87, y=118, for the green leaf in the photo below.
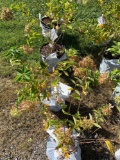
x=65, y=112
x=101, y=119
x=15, y=62
x=97, y=125
x=73, y=81
x=66, y=73
x=75, y=121
x=27, y=77
x=18, y=78
x=90, y=116
x=78, y=98
x=77, y=92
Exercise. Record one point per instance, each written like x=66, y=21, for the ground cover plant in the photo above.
x=88, y=109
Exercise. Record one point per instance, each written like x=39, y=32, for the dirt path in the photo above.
x=20, y=138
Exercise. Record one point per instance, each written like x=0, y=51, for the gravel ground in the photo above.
x=21, y=138
x=37, y=153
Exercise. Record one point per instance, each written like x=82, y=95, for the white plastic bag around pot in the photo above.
x=117, y=155
x=50, y=131
x=101, y=20
x=62, y=91
x=55, y=154
x=48, y=32
x=52, y=102
x=108, y=65
x=115, y=93
x=52, y=60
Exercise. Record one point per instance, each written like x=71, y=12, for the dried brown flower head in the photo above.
x=27, y=49
x=87, y=62
x=6, y=14
x=74, y=58
x=27, y=29
x=25, y=105
x=86, y=123
x=15, y=112
x=103, y=78
x=79, y=72
x=107, y=110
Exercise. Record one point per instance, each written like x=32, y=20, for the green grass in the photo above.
x=12, y=32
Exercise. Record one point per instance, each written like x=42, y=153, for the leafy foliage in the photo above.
x=32, y=71
x=115, y=49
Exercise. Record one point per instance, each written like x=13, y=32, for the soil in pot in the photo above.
x=47, y=22
x=47, y=49
x=110, y=56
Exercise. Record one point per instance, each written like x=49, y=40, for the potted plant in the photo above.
x=50, y=29
x=57, y=96
x=104, y=26
x=52, y=54
x=63, y=144
x=86, y=74
x=116, y=97
x=110, y=60
x=57, y=13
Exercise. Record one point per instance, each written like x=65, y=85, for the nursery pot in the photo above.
x=56, y=154
x=49, y=29
x=117, y=155
x=52, y=54
x=46, y=22
x=58, y=94
x=108, y=64
x=109, y=56
x=115, y=93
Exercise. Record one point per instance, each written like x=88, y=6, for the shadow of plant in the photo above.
x=70, y=40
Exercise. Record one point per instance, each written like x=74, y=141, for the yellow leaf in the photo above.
x=46, y=105
x=70, y=27
x=84, y=1
x=67, y=156
x=71, y=89
x=14, y=112
x=67, y=5
x=109, y=146
x=28, y=13
x=57, y=27
x=46, y=126
x=101, y=25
